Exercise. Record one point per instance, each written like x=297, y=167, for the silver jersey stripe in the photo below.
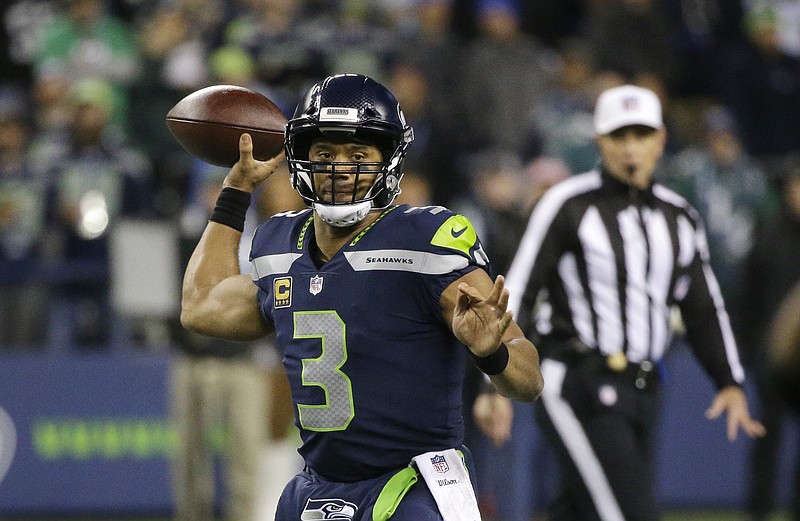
x=405, y=260
x=273, y=264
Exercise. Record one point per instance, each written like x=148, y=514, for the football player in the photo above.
x=372, y=305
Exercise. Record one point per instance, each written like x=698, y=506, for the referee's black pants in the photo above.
x=602, y=426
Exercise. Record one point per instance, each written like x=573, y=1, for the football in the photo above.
x=208, y=123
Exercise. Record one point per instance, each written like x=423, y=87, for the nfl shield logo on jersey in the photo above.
x=316, y=285
x=440, y=464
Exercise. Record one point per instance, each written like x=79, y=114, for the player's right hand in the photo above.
x=248, y=172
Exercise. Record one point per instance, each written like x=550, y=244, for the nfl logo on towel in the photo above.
x=440, y=464
x=316, y=284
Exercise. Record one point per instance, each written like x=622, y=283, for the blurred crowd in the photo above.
x=500, y=94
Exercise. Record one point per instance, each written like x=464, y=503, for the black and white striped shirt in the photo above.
x=609, y=261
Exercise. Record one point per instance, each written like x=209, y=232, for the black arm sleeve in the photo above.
x=708, y=326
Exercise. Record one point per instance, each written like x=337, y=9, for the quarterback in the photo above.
x=375, y=308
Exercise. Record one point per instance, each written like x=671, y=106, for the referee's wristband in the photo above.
x=231, y=208
x=493, y=364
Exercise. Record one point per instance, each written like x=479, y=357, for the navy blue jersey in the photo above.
x=375, y=372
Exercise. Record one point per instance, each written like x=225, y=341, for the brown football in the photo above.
x=208, y=122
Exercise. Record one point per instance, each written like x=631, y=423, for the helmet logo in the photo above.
x=345, y=114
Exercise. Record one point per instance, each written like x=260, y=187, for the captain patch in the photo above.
x=282, y=289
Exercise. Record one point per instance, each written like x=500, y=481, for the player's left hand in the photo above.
x=480, y=322
x=733, y=401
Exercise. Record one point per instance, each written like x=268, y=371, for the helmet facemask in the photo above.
x=371, y=117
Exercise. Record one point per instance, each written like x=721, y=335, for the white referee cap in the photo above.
x=624, y=106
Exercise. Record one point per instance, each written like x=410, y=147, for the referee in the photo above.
x=605, y=256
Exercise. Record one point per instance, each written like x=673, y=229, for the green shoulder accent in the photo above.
x=457, y=233
x=393, y=492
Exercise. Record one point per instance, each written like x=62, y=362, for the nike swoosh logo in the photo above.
x=458, y=233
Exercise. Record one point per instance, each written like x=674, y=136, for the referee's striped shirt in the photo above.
x=603, y=263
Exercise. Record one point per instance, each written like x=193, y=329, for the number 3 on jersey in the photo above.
x=325, y=372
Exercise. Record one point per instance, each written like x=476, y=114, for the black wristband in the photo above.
x=231, y=208
x=493, y=364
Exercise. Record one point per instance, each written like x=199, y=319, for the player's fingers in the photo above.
x=471, y=292
x=463, y=300
x=497, y=290
x=277, y=159
x=505, y=321
x=245, y=147
x=502, y=302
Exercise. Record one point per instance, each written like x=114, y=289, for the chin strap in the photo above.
x=343, y=215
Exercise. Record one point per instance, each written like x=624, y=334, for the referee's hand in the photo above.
x=494, y=415
x=732, y=400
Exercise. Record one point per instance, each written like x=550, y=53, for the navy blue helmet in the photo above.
x=369, y=113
